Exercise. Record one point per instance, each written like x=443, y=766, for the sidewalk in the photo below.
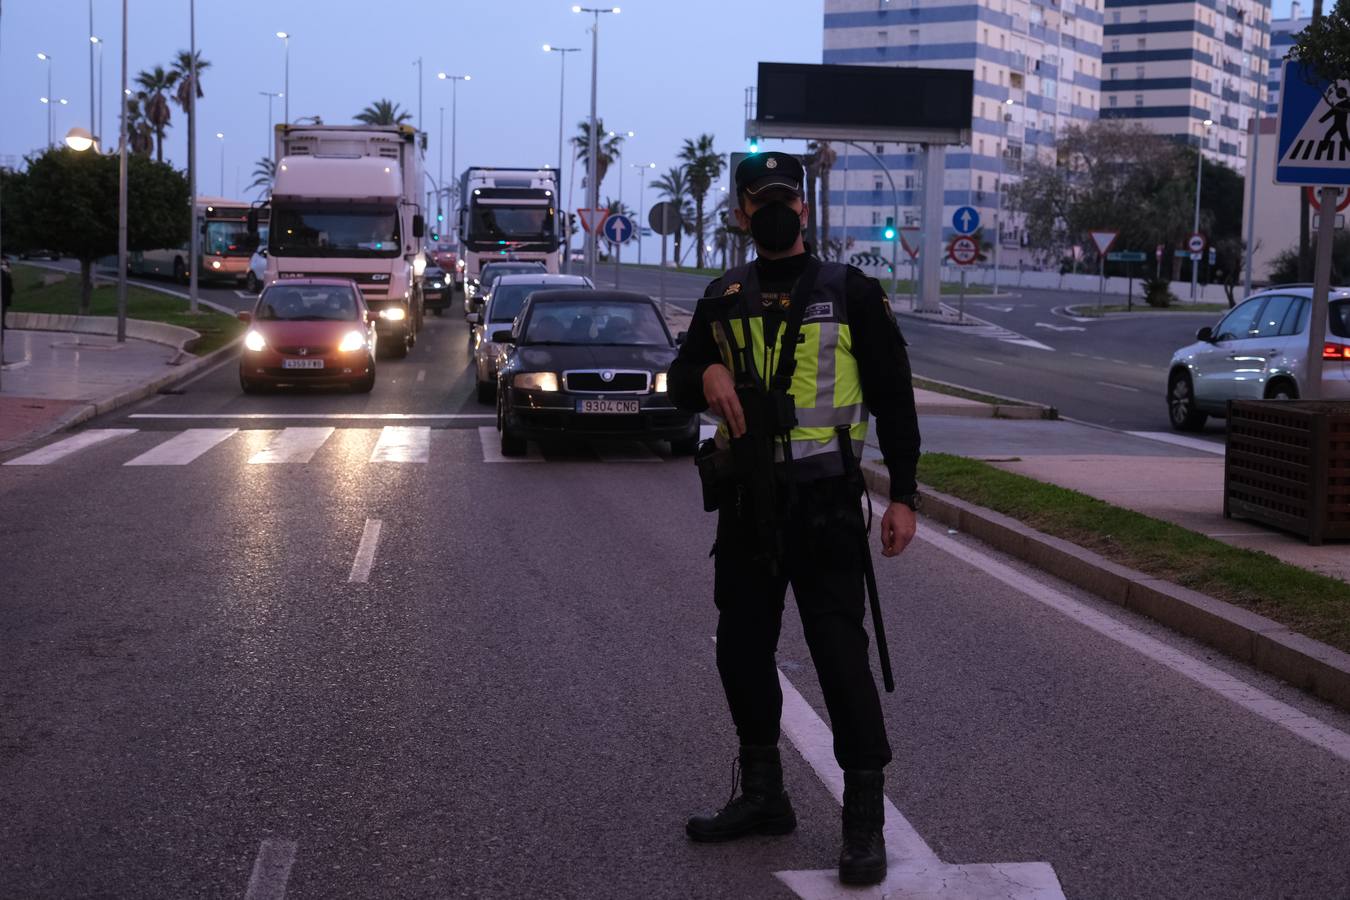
x=53, y=379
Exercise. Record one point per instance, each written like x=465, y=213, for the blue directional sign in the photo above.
x=966, y=220
x=618, y=229
x=1314, y=146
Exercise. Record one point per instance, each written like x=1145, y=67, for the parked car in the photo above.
x=257, y=270
x=436, y=290
x=1258, y=351
x=309, y=331
x=500, y=308
x=589, y=364
x=476, y=288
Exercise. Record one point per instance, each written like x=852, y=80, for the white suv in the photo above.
x=1258, y=352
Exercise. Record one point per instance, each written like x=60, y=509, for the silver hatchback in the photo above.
x=1258, y=351
x=507, y=298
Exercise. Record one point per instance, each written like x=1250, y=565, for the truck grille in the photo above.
x=592, y=381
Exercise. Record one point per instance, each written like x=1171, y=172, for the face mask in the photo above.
x=775, y=226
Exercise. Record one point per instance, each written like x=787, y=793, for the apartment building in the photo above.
x=1282, y=32
x=1037, y=70
x=1172, y=66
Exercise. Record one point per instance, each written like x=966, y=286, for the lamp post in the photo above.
x=998, y=192
x=270, y=95
x=593, y=153
x=286, y=87
x=93, y=125
x=618, y=248
x=562, y=95
x=122, y=194
x=642, y=193
x=220, y=136
x=418, y=62
x=454, y=137
x=47, y=58
x=195, y=242
x=97, y=44
x=1195, y=228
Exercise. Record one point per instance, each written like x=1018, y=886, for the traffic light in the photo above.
x=435, y=236
x=889, y=232
x=440, y=216
x=754, y=145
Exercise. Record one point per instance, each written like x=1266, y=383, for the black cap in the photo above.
x=762, y=171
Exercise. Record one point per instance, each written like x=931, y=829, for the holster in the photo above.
x=716, y=473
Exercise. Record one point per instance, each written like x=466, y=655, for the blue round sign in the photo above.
x=966, y=220
x=618, y=229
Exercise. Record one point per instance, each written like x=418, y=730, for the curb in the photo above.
x=80, y=414
x=174, y=336
x=1016, y=408
x=1310, y=665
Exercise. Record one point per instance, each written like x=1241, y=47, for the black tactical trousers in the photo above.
x=823, y=564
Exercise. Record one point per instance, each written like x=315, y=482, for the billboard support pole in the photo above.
x=895, y=219
x=935, y=164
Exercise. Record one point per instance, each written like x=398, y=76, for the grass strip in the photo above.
x=1314, y=605
x=953, y=391
x=61, y=296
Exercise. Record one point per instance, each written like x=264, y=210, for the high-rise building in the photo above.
x=1282, y=32
x=1172, y=66
x=1037, y=70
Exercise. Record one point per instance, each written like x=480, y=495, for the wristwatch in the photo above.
x=914, y=501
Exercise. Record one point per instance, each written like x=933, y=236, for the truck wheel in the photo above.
x=399, y=344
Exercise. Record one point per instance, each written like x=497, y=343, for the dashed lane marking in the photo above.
x=992, y=362
x=365, y=552
x=421, y=375
x=292, y=445
x=53, y=452
x=344, y=417
x=183, y=448
x=271, y=870
x=403, y=444
x=1120, y=387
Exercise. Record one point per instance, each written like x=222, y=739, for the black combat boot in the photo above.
x=761, y=808
x=863, y=859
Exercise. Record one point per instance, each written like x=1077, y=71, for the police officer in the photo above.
x=850, y=361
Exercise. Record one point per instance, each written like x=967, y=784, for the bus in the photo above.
x=226, y=245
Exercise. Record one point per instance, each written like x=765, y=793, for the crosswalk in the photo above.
x=395, y=445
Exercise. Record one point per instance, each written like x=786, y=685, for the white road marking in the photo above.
x=403, y=444
x=271, y=870
x=365, y=552
x=492, y=449
x=1002, y=309
x=1145, y=366
x=1060, y=327
x=992, y=362
x=73, y=444
x=1120, y=387
x=245, y=295
x=421, y=375
x=292, y=445
x=183, y=448
x=1028, y=342
x=1181, y=440
x=913, y=869
x=1081, y=355
x=627, y=452
x=9, y=367
x=1120, y=362
x=1254, y=700
x=364, y=417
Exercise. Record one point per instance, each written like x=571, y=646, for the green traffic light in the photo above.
x=890, y=234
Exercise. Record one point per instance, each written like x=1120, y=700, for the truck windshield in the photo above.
x=227, y=239
x=349, y=230
x=510, y=223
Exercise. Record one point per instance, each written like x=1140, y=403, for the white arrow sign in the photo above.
x=913, y=869
x=1059, y=327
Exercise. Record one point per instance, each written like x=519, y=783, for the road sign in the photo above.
x=909, y=239
x=1127, y=256
x=1104, y=239
x=592, y=219
x=617, y=228
x=963, y=250
x=1158, y=253
x=664, y=217
x=966, y=219
x=1314, y=129
x=1342, y=199
x=1196, y=243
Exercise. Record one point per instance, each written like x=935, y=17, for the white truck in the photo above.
x=507, y=214
x=345, y=203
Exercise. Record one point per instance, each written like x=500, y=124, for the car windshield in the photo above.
x=228, y=239
x=349, y=230
x=583, y=322
x=505, y=223
x=1338, y=317
x=307, y=303
x=508, y=299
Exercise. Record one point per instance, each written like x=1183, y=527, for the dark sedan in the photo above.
x=589, y=364
x=436, y=288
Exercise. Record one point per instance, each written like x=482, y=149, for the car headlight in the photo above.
x=659, y=384
x=437, y=285
x=419, y=266
x=254, y=341
x=352, y=341
x=536, y=381
x=393, y=314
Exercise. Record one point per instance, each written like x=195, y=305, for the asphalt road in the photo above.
x=222, y=677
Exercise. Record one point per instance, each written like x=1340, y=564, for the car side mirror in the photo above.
x=681, y=338
x=419, y=225
x=474, y=318
x=503, y=337
x=1205, y=334
x=245, y=316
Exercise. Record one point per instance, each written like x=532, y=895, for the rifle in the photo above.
x=853, y=471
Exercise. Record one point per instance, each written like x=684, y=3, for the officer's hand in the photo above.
x=719, y=389
x=897, y=529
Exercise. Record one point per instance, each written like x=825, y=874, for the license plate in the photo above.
x=607, y=407
x=302, y=364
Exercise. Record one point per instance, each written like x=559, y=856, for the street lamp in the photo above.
x=642, y=192
x=47, y=58
x=270, y=95
x=97, y=43
x=562, y=94
x=1195, y=229
x=220, y=136
x=622, y=136
x=79, y=139
x=286, y=88
x=454, y=137
x=592, y=167
x=93, y=41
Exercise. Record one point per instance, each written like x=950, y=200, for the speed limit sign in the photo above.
x=1196, y=243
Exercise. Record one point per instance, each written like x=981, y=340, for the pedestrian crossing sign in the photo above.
x=1314, y=129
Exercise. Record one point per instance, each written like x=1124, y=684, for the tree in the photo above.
x=1284, y=268
x=674, y=188
x=1324, y=45
x=140, y=133
x=154, y=84
x=819, y=160
x=383, y=112
x=187, y=86
x=66, y=201
x=610, y=144
x=703, y=165
x=264, y=173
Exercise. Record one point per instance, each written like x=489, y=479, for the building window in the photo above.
x=883, y=38
x=984, y=73
x=1143, y=14
x=881, y=148
x=1138, y=99
x=981, y=146
x=1115, y=18
x=1111, y=101
x=1115, y=73
x=1139, y=72
x=909, y=182
x=1142, y=43
x=1115, y=45
x=914, y=35
x=979, y=182
x=876, y=217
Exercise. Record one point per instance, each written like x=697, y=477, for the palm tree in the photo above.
x=383, y=112
x=819, y=159
x=674, y=188
x=154, y=84
x=609, y=149
x=264, y=172
x=140, y=133
x=705, y=166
